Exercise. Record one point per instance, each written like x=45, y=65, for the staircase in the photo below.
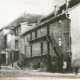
x=58, y=52
x=54, y=45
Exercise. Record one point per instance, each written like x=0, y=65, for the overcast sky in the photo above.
x=12, y=9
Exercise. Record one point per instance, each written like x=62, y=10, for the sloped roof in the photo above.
x=59, y=17
x=24, y=18
x=72, y=3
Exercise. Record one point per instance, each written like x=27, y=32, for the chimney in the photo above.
x=56, y=10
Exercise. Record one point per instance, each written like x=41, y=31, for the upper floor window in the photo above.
x=16, y=44
x=17, y=31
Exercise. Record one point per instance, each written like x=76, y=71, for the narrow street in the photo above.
x=33, y=73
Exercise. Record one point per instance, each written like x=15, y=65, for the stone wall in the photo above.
x=38, y=62
x=58, y=30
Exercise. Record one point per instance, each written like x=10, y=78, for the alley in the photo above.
x=33, y=73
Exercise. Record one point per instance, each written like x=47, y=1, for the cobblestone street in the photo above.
x=33, y=73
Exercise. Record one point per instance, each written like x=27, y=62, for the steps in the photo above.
x=54, y=45
x=13, y=66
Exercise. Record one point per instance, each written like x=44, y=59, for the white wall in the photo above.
x=10, y=41
x=75, y=31
x=25, y=27
x=6, y=31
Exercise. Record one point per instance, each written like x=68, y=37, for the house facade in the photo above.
x=48, y=43
x=53, y=40
x=11, y=44
x=4, y=46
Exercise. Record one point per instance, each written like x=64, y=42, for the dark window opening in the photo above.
x=25, y=49
x=5, y=41
x=36, y=34
x=16, y=31
x=42, y=48
x=31, y=50
x=16, y=44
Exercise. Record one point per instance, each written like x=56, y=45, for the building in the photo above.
x=4, y=46
x=10, y=36
x=47, y=43
x=52, y=43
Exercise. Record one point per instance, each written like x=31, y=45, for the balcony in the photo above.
x=37, y=39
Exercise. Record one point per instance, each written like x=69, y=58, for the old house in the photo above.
x=51, y=43
x=12, y=41
x=47, y=44
x=73, y=10
x=2, y=54
x=4, y=46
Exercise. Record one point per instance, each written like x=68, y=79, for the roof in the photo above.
x=30, y=18
x=51, y=16
x=59, y=17
x=63, y=7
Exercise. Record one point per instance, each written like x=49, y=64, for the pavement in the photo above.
x=11, y=72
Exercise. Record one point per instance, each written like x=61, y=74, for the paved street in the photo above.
x=33, y=73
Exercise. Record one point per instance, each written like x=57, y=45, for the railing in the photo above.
x=54, y=45
x=57, y=46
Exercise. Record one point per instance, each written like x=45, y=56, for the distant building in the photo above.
x=1, y=39
x=4, y=46
x=10, y=36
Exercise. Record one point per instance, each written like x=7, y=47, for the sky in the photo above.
x=12, y=9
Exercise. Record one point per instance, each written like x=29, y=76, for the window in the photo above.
x=16, y=32
x=19, y=30
x=5, y=41
x=60, y=42
x=25, y=49
x=42, y=48
x=28, y=37
x=36, y=34
x=16, y=44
